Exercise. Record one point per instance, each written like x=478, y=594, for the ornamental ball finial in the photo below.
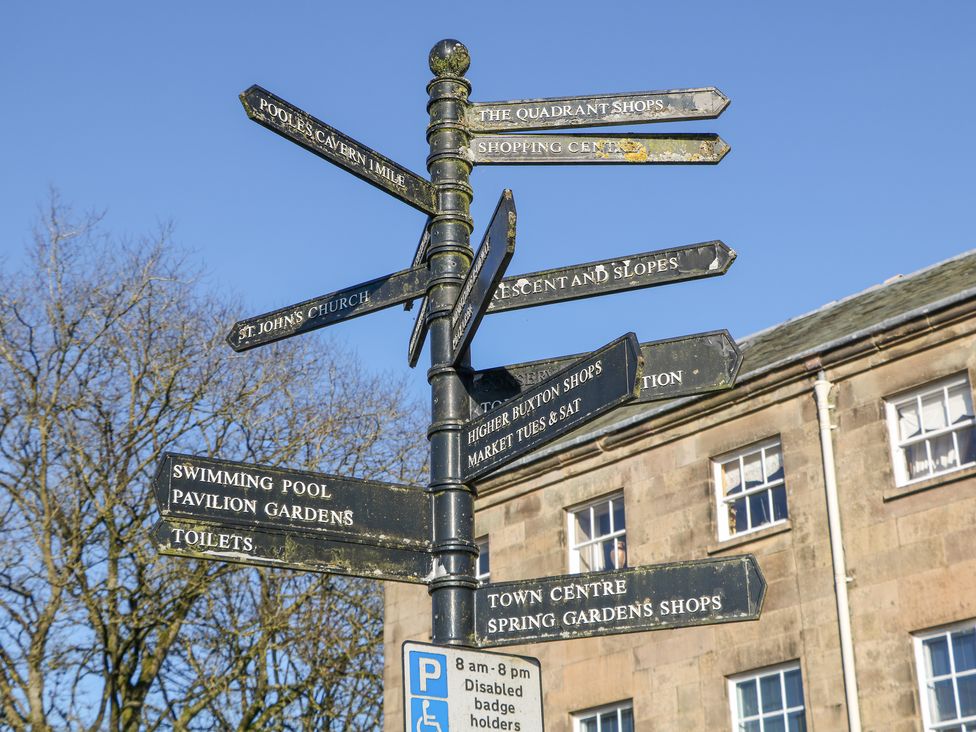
x=449, y=58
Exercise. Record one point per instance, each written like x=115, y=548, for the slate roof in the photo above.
x=897, y=300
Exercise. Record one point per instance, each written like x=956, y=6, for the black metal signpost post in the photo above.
x=480, y=420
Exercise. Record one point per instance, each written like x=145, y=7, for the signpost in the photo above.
x=367, y=297
x=658, y=596
x=327, y=142
x=260, y=515
x=486, y=270
x=604, y=149
x=573, y=396
x=674, y=367
x=453, y=689
x=632, y=272
x=596, y=110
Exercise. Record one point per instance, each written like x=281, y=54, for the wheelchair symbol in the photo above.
x=428, y=715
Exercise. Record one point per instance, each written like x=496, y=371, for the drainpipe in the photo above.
x=821, y=390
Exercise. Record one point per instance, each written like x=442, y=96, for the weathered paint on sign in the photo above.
x=596, y=110
x=327, y=142
x=677, y=595
x=621, y=274
x=487, y=268
x=536, y=149
x=673, y=367
x=260, y=496
x=319, y=312
x=290, y=550
x=587, y=388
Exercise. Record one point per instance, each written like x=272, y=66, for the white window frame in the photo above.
x=918, y=640
x=781, y=669
x=615, y=534
x=722, y=501
x=899, y=459
x=586, y=714
x=484, y=549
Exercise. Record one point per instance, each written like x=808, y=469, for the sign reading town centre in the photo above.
x=268, y=515
x=458, y=689
x=622, y=601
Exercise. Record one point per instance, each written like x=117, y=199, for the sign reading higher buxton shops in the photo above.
x=578, y=394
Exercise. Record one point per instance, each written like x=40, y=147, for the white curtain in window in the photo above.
x=960, y=405
x=908, y=425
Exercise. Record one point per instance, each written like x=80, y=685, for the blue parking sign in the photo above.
x=428, y=691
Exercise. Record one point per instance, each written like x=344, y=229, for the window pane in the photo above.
x=748, y=702
x=608, y=722
x=619, y=553
x=759, y=509
x=794, y=688
x=583, y=530
x=626, y=720
x=967, y=695
x=779, y=503
x=933, y=412
x=737, y=516
x=753, y=469
x=937, y=655
x=601, y=519
x=588, y=724
x=774, y=724
x=964, y=650
x=750, y=726
x=943, y=701
x=944, y=452
x=484, y=559
x=907, y=420
x=619, y=522
x=589, y=558
x=796, y=722
x=769, y=692
x=967, y=445
x=774, y=463
x=731, y=479
x=917, y=457
x=960, y=407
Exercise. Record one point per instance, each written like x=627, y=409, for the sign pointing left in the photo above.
x=367, y=297
x=327, y=142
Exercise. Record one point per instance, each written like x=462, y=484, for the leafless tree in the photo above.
x=110, y=354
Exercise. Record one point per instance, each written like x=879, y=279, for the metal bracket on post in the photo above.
x=448, y=257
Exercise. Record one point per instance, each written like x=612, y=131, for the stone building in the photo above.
x=844, y=460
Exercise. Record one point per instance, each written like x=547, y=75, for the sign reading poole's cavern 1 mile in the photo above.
x=263, y=515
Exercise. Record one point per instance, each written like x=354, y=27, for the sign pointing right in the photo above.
x=673, y=367
x=657, y=596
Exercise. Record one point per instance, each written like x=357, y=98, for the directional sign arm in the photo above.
x=626, y=149
x=367, y=297
x=596, y=110
x=487, y=269
x=328, y=143
x=621, y=274
x=674, y=367
x=571, y=398
x=652, y=597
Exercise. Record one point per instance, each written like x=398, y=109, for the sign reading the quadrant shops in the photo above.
x=622, y=601
x=596, y=110
x=327, y=142
x=459, y=690
x=574, y=396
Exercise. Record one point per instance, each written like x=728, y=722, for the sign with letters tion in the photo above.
x=460, y=690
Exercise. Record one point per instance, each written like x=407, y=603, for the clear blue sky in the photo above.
x=850, y=125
